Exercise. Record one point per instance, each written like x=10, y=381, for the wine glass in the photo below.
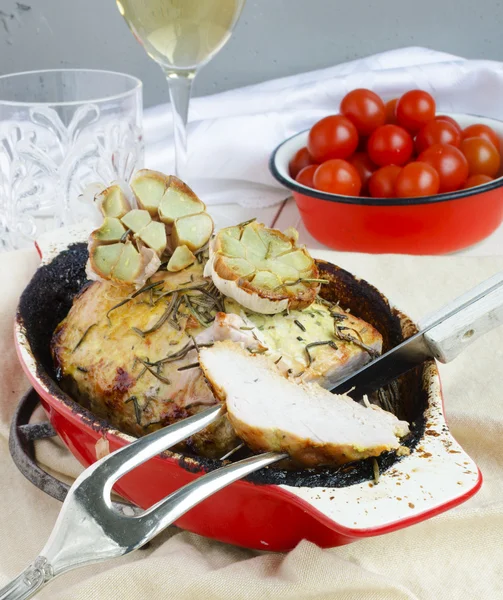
x=181, y=36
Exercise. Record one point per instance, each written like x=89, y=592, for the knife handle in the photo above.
x=465, y=319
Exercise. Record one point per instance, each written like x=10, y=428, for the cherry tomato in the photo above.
x=451, y=121
x=414, y=109
x=332, y=137
x=417, y=179
x=300, y=159
x=390, y=145
x=365, y=167
x=449, y=163
x=437, y=132
x=390, y=108
x=476, y=180
x=382, y=182
x=337, y=177
x=305, y=176
x=482, y=156
x=482, y=131
x=364, y=109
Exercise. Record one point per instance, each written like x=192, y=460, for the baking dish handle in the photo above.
x=436, y=476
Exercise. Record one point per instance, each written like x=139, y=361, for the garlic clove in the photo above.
x=149, y=187
x=103, y=259
x=111, y=230
x=178, y=201
x=112, y=202
x=129, y=266
x=154, y=235
x=193, y=231
x=136, y=219
x=181, y=259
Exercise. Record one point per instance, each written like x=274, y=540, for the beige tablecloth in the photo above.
x=455, y=556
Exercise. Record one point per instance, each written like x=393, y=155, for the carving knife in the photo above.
x=443, y=336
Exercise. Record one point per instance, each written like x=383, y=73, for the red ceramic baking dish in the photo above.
x=273, y=509
x=427, y=225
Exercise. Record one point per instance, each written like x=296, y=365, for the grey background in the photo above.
x=273, y=37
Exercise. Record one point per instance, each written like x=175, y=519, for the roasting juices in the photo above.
x=181, y=34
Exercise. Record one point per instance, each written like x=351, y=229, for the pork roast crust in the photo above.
x=107, y=364
x=100, y=361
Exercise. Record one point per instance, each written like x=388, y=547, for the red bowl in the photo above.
x=427, y=225
x=436, y=476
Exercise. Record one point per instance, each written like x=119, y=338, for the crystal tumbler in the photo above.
x=59, y=131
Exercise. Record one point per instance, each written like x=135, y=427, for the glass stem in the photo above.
x=180, y=85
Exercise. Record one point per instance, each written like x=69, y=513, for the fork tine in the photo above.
x=112, y=467
x=171, y=508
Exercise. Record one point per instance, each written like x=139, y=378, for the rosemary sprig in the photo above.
x=173, y=319
x=277, y=361
x=178, y=290
x=338, y=316
x=160, y=322
x=153, y=372
x=124, y=235
x=310, y=359
x=231, y=452
x=375, y=468
x=187, y=367
x=327, y=303
x=299, y=325
x=145, y=288
x=197, y=315
x=202, y=300
x=345, y=337
x=345, y=327
x=245, y=223
x=214, y=298
x=175, y=356
x=141, y=373
x=152, y=423
x=84, y=336
x=196, y=347
x=137, y=409
x=82, y=370
x=182, y=353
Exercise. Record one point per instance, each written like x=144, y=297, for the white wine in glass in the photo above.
x=181, y=36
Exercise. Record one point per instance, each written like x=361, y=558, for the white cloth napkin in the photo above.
x=232, y=134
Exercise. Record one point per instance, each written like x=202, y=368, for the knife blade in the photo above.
x=443, y=336
x=386, y=368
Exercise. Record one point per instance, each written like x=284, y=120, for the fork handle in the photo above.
x=29, y=582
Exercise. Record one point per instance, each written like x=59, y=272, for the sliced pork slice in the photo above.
x=272, y=413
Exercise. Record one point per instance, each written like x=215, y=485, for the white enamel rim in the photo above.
x=439, y=473
x=281, y=157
